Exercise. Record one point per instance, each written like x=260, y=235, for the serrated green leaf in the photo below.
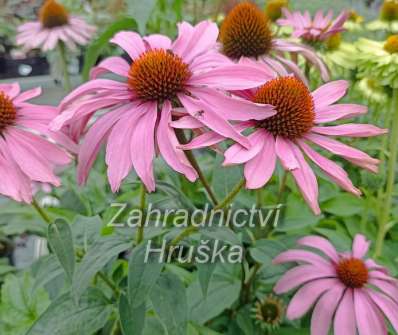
x=143, y=274
x=169, y=301
x=61, y=241
x=64, y=317
x=132, y=319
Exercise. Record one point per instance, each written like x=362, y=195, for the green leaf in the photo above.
x=95, y=48
x=297, y=216
x=223, y=291
x=61, y=241
x=169, y=301
x=143, y=274
x=20, y=305
x=344, y=205
x=132, y=319
x=225, y=234
x=64, y=317
x=45, y=270
x=205, y=272
x=141, y=11
x=224, y=180
x=96, y=258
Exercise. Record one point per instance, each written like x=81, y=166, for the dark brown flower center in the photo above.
x=273, y=8
x=352, y=272
x=158, y=75
x=52, y=14
x=246, y=32
x=269, y=310
x=391, y=44
x=7, y=112
x=294, y=106
x=389, y=10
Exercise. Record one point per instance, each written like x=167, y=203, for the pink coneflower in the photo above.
x=160, y=76
x=316, y=30
x=355, y=291
x=25, y=156
x=285, y=136
x=55, y=25
x=246, y=32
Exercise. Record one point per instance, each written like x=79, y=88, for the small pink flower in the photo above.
x=285, y=136
x=354, y=291
x=25, y=156
x=161, y=77
x=318, y=29
x=55, y=25
x=246, y=32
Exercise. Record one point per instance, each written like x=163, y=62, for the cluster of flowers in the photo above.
x=238, y=84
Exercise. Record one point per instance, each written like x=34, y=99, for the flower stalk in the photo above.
x=140, y=230
x=386, y=201
x=64, y=64
x=41, y=211
x=191, y=158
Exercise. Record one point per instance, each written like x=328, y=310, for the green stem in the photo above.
x=140, y=230
x=282, y=187
x=64, y=64
x=392, y=165
x=231, y=196
x=227, y=200
x=41, y=211
x=111, y=285
x=191, y=158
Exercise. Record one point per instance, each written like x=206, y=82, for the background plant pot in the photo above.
x=32, y=66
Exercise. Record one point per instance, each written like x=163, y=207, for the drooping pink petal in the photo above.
x=30, y=159
x=360, y=246
x=300, y=275
x=143, y=145
x=15, y=183
x=27, y=95
x=203, y=38
x=94, y=86
x=301, y=256
x=208, y=60
x=258, y=171
x=391, y=289
x=307, y=295
x=338, y=112
x=204, y=140
x=386, y=305
x=356, y=156
x=157, y=41
x=335, y=172
x=185, y=31
x=94, y=139
x=208, y=116
x=187, y=122
x=344, y=320
x=294, y=68
x=284, y=149
x=118, y=153
x=229, y=78
x=168, y=142
x=305, y=51
x=115, y=65
x=321, y=244
x=329, y=93
x=350, y=130
x=233, y=108
x=11, y=90
x=306, y=181
x=130, y=42
x=376, y=274
x=369, y=320
x=372, y=265
x=321, y=319
x=237, y=154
